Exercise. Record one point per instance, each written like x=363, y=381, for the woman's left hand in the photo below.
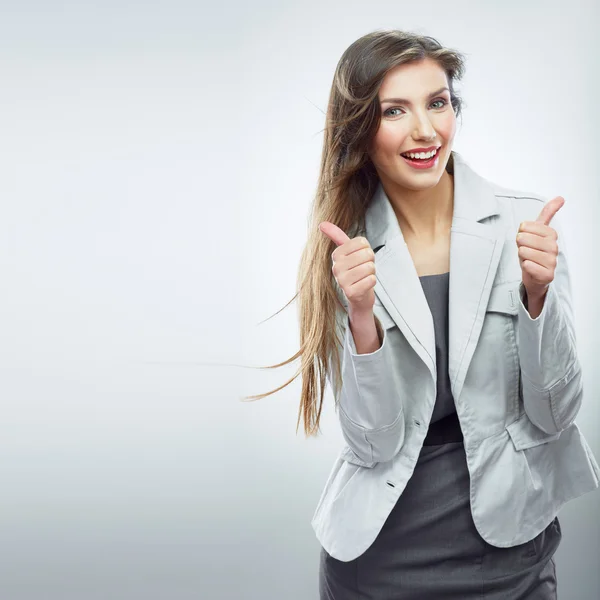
x=538, y=250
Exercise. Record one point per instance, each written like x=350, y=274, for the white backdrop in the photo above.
x=158, y=162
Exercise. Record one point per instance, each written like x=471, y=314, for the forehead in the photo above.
x=419, y=77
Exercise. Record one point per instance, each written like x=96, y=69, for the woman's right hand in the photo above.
x=353, y=267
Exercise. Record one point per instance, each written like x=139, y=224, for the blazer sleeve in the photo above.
x=552, y=382
x=370, y=400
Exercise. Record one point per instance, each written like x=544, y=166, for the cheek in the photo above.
x=447, y=126
x=389, y=140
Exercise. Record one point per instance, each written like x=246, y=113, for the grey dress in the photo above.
x=429, y=548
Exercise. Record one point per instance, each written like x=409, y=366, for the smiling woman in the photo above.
x=456, y=404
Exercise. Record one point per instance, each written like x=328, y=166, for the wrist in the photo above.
x=534, y=302
x=366, y=330
x=360, y=314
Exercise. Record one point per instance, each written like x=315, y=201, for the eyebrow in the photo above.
x=403, y=101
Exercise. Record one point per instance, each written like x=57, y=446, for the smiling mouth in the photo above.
x=437, y=152
x=422, y=164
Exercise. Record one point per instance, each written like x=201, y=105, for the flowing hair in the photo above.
x=346, y=183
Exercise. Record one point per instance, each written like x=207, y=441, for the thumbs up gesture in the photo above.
x=538, y=250
x=353, y=267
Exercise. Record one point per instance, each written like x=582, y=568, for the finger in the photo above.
x=537, y=272
x=538, y=228
x=334, y=233
x=550, y=209
x=357, y=257
x=361, y=286
x=539, y=242
x=356, y=274
x=540, y=257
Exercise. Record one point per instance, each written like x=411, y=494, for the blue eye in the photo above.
x=443, y=101
x=387, y=112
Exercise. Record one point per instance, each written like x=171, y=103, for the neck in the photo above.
x=424, y=215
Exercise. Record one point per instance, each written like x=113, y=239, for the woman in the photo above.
x=449, y=341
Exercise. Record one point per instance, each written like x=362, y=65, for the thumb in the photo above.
x=334, y=233
x=550, y=209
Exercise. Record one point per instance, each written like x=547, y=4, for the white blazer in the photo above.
x=516, y=381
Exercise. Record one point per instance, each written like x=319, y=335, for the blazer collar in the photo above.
x=476, y=245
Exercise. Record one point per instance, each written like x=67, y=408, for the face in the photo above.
x=422, y=119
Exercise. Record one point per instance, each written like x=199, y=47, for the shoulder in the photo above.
x=506, y=197
x=517, y=196
x=522, y=204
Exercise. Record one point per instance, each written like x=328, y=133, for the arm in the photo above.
x=552, y=377
x=369, y=402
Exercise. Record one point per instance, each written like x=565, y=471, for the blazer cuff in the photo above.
x=352, y=346
x=371, y=397
x=547, y=349
x=523, y=310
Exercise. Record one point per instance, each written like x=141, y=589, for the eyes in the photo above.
x=442, y=100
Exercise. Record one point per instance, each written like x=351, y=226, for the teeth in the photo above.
x=420, y=154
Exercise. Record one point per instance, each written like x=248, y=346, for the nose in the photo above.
x=424, y=130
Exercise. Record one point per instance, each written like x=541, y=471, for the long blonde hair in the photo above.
x=346, y=183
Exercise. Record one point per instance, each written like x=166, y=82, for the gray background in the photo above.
x=158, y=161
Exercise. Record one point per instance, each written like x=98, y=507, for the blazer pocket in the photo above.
x=524, y=434
x=350, y=456
x=528, y=441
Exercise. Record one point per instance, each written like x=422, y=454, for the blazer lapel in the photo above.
x=399, y=289
x=475, y=249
